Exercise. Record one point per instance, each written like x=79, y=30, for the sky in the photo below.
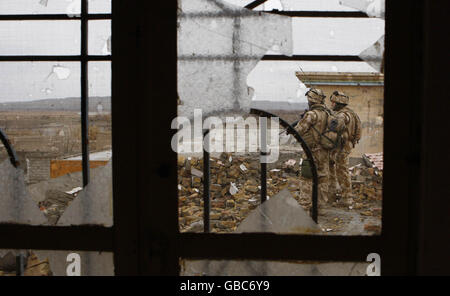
x=26, y=81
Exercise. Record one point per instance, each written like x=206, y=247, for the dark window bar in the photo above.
x=52, y=58
x=53, y=17
x=206, y=185
x=257, y=3
x=333, y=58
x=44, y=237
x=20, y=265
x=295, y=247
x=84, y=93
x=263, y=154
x=232, y=58
x=11, y=153
x=341, y=14
x=245, y=14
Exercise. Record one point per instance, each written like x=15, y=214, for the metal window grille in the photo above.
x=234, y=58
x=145, y=237
x=101, y=237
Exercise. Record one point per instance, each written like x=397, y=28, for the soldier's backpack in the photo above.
x=355, y=132
x=332, y=135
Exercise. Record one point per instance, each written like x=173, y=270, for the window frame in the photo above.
x=394, y=244
x=145, y=238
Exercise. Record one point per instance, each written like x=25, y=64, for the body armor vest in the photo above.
x=312, y=137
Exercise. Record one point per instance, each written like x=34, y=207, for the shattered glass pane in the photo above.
x=335, y=36
x=38, y=6
x=93, y=205
x=374, y=55
x=15, y=204
x=374, y=8
x=271, y=268
x=241, y=3
x=44, y=80
x=100, y=37
x=40, y=37
x=303, y=5
x=211, y=82
x=56, y=263
x=43, y=122
x=100, y=6
x=218, y=45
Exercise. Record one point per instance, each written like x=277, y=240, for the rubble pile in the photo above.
x=55, y=204
x=366, y=183
x=374, y=160
x=235, y=190
x=53, y=196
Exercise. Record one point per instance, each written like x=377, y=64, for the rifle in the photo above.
x=296, y=122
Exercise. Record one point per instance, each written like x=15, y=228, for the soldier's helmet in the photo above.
x=315, y=96
x=339, y=97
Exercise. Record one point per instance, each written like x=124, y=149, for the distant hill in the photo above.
x=66, y=104
x=278, y=105
x=74, y=104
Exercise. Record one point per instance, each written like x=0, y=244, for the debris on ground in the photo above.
x=235, y=192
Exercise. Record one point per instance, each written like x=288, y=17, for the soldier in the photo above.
x=339, y=157
x=312, y=123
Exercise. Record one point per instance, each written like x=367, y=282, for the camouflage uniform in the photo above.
x=339, y=157
x=316, y=118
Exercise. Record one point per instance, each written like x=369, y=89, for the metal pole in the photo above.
x=84, y=93
x=11, y=153
x=263, y=148
x=290, y=129
x=206, y=183
x=20, y=264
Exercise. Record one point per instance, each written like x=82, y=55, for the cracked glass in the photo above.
x=40, y=114
x=39, y=6
x=222, y=74
x=40, y=37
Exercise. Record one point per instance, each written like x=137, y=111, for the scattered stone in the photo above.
x=366, y=213
x=376, y=211
x=235, y=186
x=196, y=173
x=233, y=189
x=230, y=204
x=252, y=189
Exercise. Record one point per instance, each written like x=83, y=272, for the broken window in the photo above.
x=14, y=7
x=224, y=71
x=40, y=37
x=100, y=37
x=55, y=108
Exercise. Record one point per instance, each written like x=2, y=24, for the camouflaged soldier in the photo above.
x=309, y=127
x=339, y=157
